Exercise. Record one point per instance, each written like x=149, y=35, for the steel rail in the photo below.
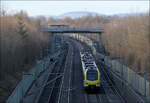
x=110, y=82
x=52, y=89
x=92, y=98
x=99, y=99
x=56, y=82
x=42, y=88
x=61, y=86
x=47, y=91
x=70, y=75
x=52, y=84
x=86, y=98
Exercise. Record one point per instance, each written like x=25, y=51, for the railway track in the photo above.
x=109, y=88
x=98, y=97
x=52, y=87
x=64, y=95
x=92, y=98
x=76, y=92
x=63, y=86
x=107, y=92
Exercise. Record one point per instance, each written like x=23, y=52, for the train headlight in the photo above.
x=98, y=83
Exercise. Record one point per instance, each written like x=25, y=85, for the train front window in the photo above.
x=92, y=75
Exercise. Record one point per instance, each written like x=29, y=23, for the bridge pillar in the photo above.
x=101, y=45
x=62, y=38
x=52, y=43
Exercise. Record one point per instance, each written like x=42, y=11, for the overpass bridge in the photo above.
x=77, y=31
x=73, y=30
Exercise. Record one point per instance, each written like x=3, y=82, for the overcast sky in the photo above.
x=55, y=8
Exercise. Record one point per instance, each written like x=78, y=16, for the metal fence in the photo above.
x=27, y=79
x=138, y=83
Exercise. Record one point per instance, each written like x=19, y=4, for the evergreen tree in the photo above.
x=24, y=37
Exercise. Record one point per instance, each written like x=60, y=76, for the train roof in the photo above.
x=92, y=70
x=88, y=62
x=91, y=66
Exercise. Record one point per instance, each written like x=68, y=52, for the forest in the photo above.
x=22, y=41
x=21, y=44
